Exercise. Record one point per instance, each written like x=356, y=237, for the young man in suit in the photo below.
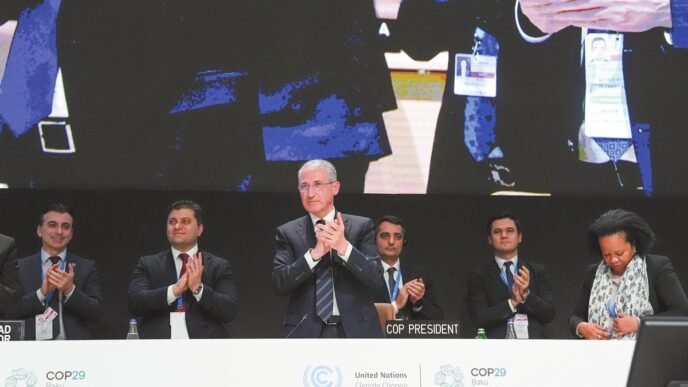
x=509, y=287
x=408, y=287
x=183, y=292
x=326, y=263
x=10, y=288
x=62, y=292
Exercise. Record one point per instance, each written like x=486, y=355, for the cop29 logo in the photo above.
x=322, y=376
x=449, y=376
x=21, y=378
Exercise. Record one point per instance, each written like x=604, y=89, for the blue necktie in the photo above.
x=392, y=282
x=28, y=85
x=479, y=114
x=509, y=275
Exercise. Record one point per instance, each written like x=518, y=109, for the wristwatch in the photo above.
x=198, y=290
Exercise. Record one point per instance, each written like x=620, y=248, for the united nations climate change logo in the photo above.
x=322, y=376
x=21, y=377
x=449, y=376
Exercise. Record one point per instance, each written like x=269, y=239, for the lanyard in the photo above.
x=63, y=264
x=393, y=295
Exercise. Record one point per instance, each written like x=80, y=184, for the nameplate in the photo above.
x=426, y=329
x=11, y=330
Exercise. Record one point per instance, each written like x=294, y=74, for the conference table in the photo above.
x=321, y=363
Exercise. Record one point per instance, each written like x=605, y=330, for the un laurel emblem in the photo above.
x=322, y=376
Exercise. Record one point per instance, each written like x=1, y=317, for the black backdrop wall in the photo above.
x=446, y=236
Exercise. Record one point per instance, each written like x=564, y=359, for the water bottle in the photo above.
x=133, y=333
x=510, y=330
x=481, y=334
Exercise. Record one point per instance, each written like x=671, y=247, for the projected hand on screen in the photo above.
x=626, y=16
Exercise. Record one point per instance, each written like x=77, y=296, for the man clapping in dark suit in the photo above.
x=326, y=263
x=410, y=289
x=509, y=287
x=61, y=291
x=9, y=281
x=183, y=292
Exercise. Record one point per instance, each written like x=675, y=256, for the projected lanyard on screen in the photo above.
x=607, y=134
x=31, y=88
x=475, y=76
x=607, y=120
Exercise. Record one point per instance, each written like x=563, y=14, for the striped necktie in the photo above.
x=324, y=286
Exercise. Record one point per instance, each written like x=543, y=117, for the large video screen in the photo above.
x=419, y=96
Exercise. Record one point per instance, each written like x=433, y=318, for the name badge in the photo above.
x=521, y=326
x=178, y=325
x=606, y=110
x=44, y=324
x=475, y=75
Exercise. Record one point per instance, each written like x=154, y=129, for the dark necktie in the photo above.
x=509, y=275
x=391, y=281
x=185, y=258
x=28, y=85
x=324, y=286
x=55, y=302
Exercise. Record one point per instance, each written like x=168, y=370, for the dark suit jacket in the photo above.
x=10, y=288
x=667, y=296
x=83, y=309
x=431, y=309
x=488, y=295
x=204, y=319
x=355, y=282
x=166, y=54
x=531, y=109
x=540, y=93
x=323, y=66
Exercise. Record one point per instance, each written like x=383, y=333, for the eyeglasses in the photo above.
x=316, y=186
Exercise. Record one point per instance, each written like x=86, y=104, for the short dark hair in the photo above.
x=60, y=208
x=391, y=219
x=638, y=232
x=188, y=204
x=503, y=215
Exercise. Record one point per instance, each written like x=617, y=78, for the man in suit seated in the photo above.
x=509, y=287
x=10, y=288
x=408, y=286
x=183, y=292
x=327, y=264
x=62, y=297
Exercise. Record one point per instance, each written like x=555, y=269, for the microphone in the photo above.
x=305, y=316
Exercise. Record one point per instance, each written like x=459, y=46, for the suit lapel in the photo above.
x=69, y=259
x=347, y=229
x=36, y=271
x=493, y=273
x=306, y=232
x=168, y=265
